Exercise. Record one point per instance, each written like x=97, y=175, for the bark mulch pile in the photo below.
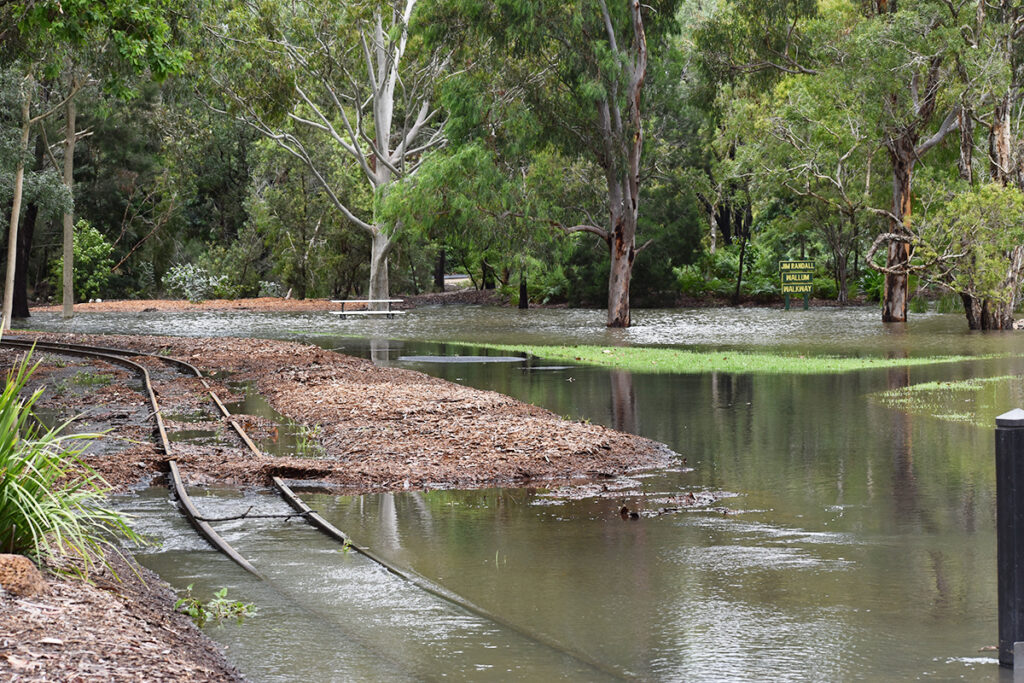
x=381, y=428
x=119, y=628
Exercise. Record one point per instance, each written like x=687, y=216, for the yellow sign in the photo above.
x=796, y=289
x=797, y=278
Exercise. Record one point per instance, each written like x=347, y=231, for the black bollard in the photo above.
x=1010, y=530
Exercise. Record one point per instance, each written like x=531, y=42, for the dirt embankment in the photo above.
x=273, y=304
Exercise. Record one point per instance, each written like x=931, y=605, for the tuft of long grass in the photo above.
x=51, y=503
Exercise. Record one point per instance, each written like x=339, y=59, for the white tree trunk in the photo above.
x=380, y=247
x=12, y=238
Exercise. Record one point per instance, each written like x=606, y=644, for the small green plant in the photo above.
x=89, y=379
x=51, y=503
x=215, y=610
x=347, y=545
x=307, y=440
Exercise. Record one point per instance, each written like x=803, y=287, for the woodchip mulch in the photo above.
x=119, y=628
x=380, y=428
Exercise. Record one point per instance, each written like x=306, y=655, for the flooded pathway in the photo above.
x=859, y=543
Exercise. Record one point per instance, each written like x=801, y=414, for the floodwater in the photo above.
x=858, y=542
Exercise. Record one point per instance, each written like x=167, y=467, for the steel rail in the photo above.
x=189, y=510
x=168, y=359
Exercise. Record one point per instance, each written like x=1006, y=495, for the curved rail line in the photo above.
x=116, y=355
x=110, y=355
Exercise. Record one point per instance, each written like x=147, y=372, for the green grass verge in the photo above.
x=680, y=361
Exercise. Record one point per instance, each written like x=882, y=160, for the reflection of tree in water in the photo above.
x=623, y=401
x=379, y=350
x=728, y=389
x=906, y=494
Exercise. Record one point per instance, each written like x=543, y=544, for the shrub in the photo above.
x=690, y=280
x=872, y=285
x=274, y=289
x=189, y=282
x=825, y=288
x=50, y=501
x=92, y=264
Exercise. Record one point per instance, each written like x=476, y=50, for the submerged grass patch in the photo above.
x=666, y=360
x=974, y=401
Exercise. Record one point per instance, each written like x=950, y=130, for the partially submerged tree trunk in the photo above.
x=894, y=300
x=624, y=183
x=993, y=314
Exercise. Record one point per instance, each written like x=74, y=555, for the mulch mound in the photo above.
x=380, y=428
x=121, y=627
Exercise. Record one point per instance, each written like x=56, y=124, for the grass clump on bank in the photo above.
x=682, y=361
x=51, y=503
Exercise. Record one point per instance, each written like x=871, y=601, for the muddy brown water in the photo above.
x=859, y=542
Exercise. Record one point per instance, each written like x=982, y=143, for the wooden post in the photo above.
x=1010, y=530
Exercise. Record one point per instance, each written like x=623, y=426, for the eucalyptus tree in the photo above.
x=351, y=78
x=899, y=66
x=581, y=67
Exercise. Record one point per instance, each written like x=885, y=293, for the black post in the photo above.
x=1010, y=530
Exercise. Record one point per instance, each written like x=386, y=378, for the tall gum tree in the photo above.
x=896, y=58
x=582, y=68
x=351, y=78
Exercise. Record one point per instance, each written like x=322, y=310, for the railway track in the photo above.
x=128, y=358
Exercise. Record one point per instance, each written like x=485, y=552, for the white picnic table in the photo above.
x=343, y=313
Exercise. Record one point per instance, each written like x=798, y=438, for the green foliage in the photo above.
x=50, y=501
x=92, y=263
x=918, y=304
x=949, y=303
x=215, y=610
x=91, y=379
x=872, y=285
x=124, y=36
x=825, y=288
x=983, y=226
